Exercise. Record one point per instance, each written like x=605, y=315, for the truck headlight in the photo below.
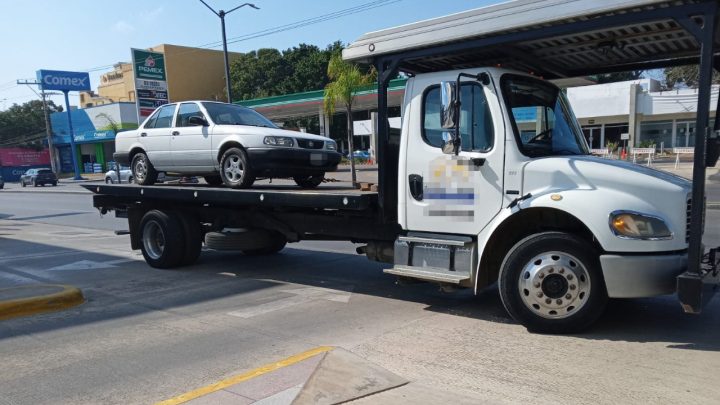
x=278, y=141
x=330, y=145
x=633, y=225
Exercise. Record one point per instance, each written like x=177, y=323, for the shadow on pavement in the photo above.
x=124, y=288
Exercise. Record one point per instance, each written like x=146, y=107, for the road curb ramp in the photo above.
x=25, y=300
x=342, y=376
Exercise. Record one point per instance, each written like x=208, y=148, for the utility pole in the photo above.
x=48, y=128
x=222, y=14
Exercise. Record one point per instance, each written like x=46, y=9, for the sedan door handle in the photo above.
x=175, y=133
x=143, y=133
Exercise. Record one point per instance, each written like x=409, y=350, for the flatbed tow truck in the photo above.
x=490, y=179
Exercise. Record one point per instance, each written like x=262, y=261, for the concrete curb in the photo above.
x=64, y=296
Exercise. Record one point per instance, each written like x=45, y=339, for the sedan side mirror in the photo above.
x=196, y=120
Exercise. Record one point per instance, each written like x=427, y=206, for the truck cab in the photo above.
x=496, y=182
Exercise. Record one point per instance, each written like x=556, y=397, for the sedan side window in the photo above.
x=186, y=111
x=151, y=121
x=165, y=116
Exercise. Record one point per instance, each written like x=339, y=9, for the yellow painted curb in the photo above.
x=208, y=389
x=68, y=297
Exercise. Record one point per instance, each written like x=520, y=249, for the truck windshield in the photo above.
x=542, y=119
x=228, y=114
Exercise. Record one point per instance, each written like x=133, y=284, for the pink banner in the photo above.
x=23, y=157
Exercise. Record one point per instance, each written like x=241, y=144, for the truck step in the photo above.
x=429, y=274
x=436, y=239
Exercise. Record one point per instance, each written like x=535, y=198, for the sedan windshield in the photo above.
x=543, y=121
x=228, y=114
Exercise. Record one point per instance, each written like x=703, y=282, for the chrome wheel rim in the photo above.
x=140, y=169
x=153, y=240
x=554, y=285
x=233, y=168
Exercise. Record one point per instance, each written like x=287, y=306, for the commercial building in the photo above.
x=192, y=74
x=639, y=108
x=94, y=131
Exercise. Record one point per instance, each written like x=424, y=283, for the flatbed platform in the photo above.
x=341, y=197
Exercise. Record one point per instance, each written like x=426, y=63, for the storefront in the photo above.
x=94, y=132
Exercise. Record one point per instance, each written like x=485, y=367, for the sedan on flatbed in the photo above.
x=224, y=143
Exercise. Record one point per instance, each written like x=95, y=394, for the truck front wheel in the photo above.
x=163, y=241
x=552, y=283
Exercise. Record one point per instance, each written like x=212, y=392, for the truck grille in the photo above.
x=310, y=144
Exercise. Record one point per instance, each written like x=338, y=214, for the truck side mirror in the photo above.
x=448, y=110
x=448, y=145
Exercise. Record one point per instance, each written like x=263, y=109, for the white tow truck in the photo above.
x=490, y=178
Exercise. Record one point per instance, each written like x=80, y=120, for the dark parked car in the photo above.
x=2, y=183
x=38, y=177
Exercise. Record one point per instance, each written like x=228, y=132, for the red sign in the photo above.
x=23, y=157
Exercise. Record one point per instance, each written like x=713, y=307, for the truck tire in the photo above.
x=192, y=232
x=551, y=282
x=143, y=171
x=214, y=180
x=235, y=169
x=162, y=239
x=309, y=181
x=277, y=244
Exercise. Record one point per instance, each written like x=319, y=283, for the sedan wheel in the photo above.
x=236, y=171
x=108, y=180
x=142, y=170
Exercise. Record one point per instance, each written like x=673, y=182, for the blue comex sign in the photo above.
x=63, y=81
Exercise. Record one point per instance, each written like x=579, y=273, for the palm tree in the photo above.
x=345, y=80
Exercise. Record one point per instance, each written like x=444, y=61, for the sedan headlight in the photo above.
x=633, y=225
x=330, y=145
x=278, y=141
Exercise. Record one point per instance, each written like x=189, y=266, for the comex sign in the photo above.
x=66, y=82
x=63, y=81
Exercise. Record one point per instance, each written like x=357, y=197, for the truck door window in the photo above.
x=476, y=126
x=165, y=116
x=542, y=119
x=186, y=111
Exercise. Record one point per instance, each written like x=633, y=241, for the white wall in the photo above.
x=602, y=100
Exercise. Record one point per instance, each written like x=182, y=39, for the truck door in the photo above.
x=190, y=143
x=446, y=193
x=155, y=137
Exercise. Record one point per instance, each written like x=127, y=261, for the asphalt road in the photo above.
x=146, y=335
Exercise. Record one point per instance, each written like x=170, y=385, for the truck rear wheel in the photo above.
x=552, y=283
x=162, y=237
x=192, y=232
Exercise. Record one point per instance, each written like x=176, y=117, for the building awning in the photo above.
x=309, y=103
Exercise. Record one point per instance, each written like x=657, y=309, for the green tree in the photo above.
x=24, y=124
x=689, y=75
x=346, y=79
x=269, y=72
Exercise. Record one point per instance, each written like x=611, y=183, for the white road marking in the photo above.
x=91, y=265
x=300, y=296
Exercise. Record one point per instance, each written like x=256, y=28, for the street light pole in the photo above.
x=222, y=14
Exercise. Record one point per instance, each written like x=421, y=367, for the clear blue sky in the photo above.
x=80, y=35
